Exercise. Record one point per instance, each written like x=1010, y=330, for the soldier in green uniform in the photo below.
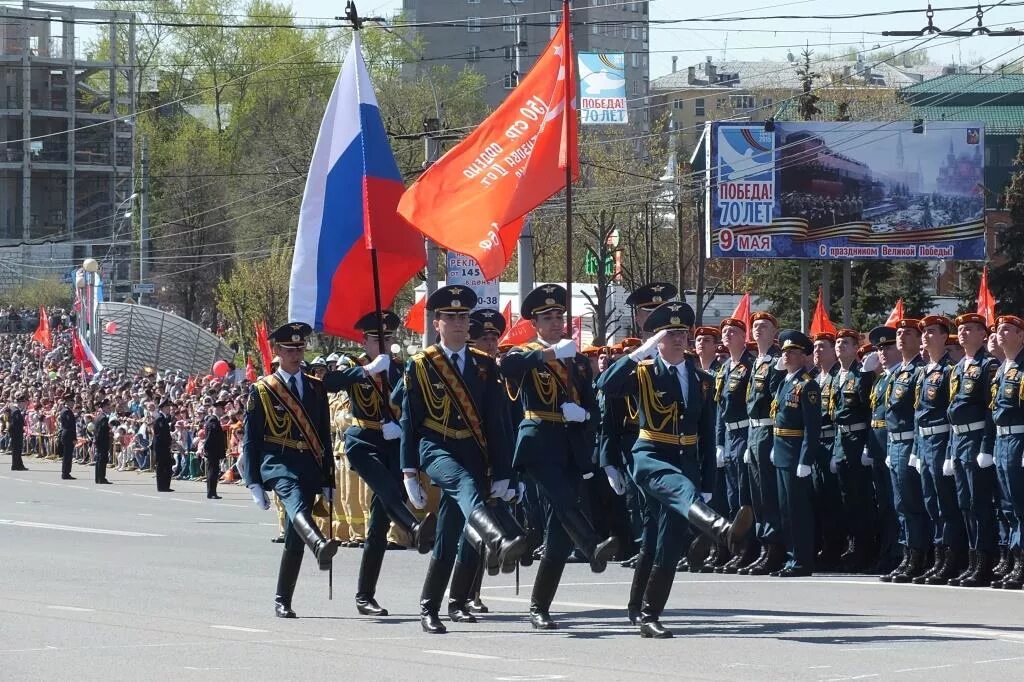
x=555, y=444
x=674, y=455
x=287, y=448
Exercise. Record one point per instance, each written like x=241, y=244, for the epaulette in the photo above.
x=418, y=357
x=646, y=362
x=477, y=351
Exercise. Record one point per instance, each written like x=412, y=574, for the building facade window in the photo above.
x=698, y=107
x=473, y=24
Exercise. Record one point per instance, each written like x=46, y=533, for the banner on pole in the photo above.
x=603, y=88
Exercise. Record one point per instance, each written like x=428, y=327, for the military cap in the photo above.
x=291, y=335
x=971, y=318
x=456, y=299
x=1010, y=319
x=733, y=322
x=824, y=336
x=845, y=333
x=544, y=298
x=764, y=315
x=939, y=320
x=318, y=361
x=707, y=331
x=490, y=321
x=882, y=336
x=670, y=316
x=865, y=349
x=592, y=351
x=796, y=340
x=909, y=323
x=368, y=325
x=650, y=296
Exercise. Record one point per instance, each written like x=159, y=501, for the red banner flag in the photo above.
x=577, y=330
x=521, y=332
x=42, y=333
x=986, y=301
x=820, y=322
x=507, y=314
x=190, y=387
x=473, y=199
x=896, y=315
x=250, y=371
x=414, y=320
x=263, y=344
x=742, y=312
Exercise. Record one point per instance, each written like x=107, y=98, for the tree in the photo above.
x=256, y=290
x=1006, y=276
x=808, y=98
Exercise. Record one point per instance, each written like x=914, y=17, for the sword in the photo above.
x=330, y=572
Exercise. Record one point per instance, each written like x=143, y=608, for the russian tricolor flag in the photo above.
x=350, y=204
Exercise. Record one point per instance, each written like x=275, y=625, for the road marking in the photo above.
x=974, y=633
x=152, y=497
x=528, y=678
x=1000, y=660
x=79, y=529
x=461, y=654
x=57, y=607
x=143, y=514
x=930, y=667
x=200, y=518
x=237, y=628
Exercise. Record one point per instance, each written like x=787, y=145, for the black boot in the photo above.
x=322, y=548
x=1015, y=580
x=291, y=562
x=971, y=565
x=642, y=573
x=1011, y=564
x=544, y=586
x=658, y=588
x=915, y=566
x=366, y=584
x=583, y=535
x=887, y=578
x=422, y=532
x=458, y=592
x=982, y=574
x=631, y=561
x=753, y=560
x=716, y=528
x=952, y=565
x=774, y=560
x=940, y=561
x=510, y=528
x=499, y=547
x=476, y=604
x=1002, y=569
x=430, y=598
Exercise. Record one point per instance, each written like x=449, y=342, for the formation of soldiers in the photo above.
x=779, y=456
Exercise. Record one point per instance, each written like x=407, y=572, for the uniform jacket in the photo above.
x=216, y=444
x=16, y=423
x=932, y=394
x=162, y=437
x=1008, y=393
x=796, y=408
x=67, y=424
x=731, y=384
x=366, y=402
x=764, y=382
x=900, y=396
x=878, y=443
x=101, y=434
x=851, y=405
x=970, y=394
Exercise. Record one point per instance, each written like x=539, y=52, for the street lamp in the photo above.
x=115, y=232
x=87, y=285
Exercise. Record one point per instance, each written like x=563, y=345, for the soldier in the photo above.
x=674, y=456
x=1008, y=415
x=555, y=443
x=931, y=457
x=764, y=381
x=797, y=416
x=162, y=458
x=67, y=435
x=828, y=502
x=371, y=447
x=900, y=400
x=454, y=429
x=215, y=447
x=851, y=413
x=883, y=339
x=972, y=443
x=287, y=448
x=706, y=343
x=102, y=442
x=16, y=431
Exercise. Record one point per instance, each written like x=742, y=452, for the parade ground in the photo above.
x=120, y=583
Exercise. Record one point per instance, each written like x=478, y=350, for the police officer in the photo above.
x=972, y=445
x=371, y=446
x=215, y=447
x=102, y=442
x=16, y=431
x=67, y=434
x=162, y=457
x=555, y=443
x=796, y=410
x=287, y=447
x=1008, y=415
x=674, y=455
x=890, y=534
x=900, y=400
x=454, y=429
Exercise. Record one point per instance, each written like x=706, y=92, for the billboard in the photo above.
x=465, y=271
x=602, y=88
x=846, y=190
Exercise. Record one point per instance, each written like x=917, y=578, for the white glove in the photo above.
x=865, y=458
x=780, y=364
x=748, y=457
x=328, y=494
x=615, y=480
x=379, y=364
x=833, y=465
x=803, y=471
x=565, y=349
x=719, y=457
x=391, y=431
x=871, y=363
x=707, y=497
x=888, y=461
x=648, y=348
x=587, y=476
x=520, y=491
x=509, y=494
x=947, y=467
x=574, y=413
x=415, y=492
x=499, y=488
x=914, y=462
x=985, y=460
x=259, y=497
x=771, y=456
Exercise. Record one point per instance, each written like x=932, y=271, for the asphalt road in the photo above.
x=120, y=583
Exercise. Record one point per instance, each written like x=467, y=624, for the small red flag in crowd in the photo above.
x=42, y=333
x=986, y=301
x=896, y=315
x=820, y=322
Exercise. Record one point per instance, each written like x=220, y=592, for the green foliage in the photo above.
x=49, y=292
x=256, y=290
x=1006, y=275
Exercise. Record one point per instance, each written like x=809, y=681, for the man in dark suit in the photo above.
x=287, y=447
x=215, y=448
x=66, y=436
x=102, y=442
x=16, y=430
x=162, y=458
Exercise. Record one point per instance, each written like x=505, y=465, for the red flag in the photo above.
x=896, y=315
x=250, y=371
x=42, y=333
x=263, y=344
x=414, y=320
x=507, y=314
x=742, y=312
x=819, y=321
x=986, y=302
x=521, y=332
x=78, y=354
x=577, y=330
x=190, y=387
x=473, y=199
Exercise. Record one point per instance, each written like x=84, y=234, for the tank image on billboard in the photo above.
x=846, y=190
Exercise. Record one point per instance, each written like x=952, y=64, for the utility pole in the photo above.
x=805, y=295
x=847, y=290
x=826, y=285
x=144, y=220
x=525, y=252
x=431, y=153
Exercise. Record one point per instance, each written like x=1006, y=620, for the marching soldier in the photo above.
x=674, y=455
x=706, y=343
x=797, y=416
x=16, y=431
x=1008, y=415
x=371, y=446
x=883, y=340
x=972, y=443
x=454, y=429
x=555, y=442
x=66, y=436
x=287, y=448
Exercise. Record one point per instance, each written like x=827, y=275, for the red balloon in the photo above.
x=110, y=327
x=220, y=369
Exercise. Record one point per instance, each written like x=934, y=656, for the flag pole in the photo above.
x=569, y=72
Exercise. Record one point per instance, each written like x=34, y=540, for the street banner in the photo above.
x=603, y=88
